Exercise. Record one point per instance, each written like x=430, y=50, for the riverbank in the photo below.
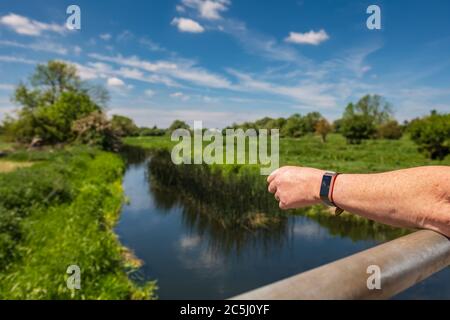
x=60, y=212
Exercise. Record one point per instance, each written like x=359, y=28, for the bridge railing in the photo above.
x=402, y=263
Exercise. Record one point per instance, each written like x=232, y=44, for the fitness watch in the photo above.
x=326, y=191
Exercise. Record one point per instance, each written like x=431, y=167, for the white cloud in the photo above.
x=77, y=50
x=6, y=86
x=44, y=46
x=25, y=26
x=115, y=82
x=17, y=60
x=187, y=25
x=105, y=36
x=149, y=93
x=208, y=9
x=311, y=37
x=180, y=95
x=185, y=70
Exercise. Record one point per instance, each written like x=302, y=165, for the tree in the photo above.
x=323, y=128
x=310, y=121
x=432, y=134
x=371, y=106
x=124, y=126
x=361, y=120
x=390, y=130
x=178, y=124
x=293, y=126
x=357, y=127
x=54, y=99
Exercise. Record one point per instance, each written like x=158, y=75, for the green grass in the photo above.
x=5, y=145
x=335, y=154
x=58, y=213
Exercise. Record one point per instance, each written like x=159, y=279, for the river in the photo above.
x=193, y=259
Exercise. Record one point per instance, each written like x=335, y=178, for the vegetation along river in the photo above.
x=195, y=253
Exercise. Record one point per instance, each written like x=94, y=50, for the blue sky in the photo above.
x=224, y=61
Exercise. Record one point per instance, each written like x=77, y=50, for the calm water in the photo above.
x=193, y=259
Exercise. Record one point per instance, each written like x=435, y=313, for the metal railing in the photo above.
x=402, y=262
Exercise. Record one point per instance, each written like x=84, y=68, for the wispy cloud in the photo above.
x=207, y=9
x=312, y=37
x=29, y=27
x=44, y=46
x=15, y=59
x=184, y=70
x=180, y=95
x=105, y=36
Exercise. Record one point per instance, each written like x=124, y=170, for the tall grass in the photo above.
x=61, y=212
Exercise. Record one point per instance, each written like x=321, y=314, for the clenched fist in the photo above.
x=295, y=187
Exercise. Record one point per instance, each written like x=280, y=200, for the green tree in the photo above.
x=390, y=130
x=53, y=100
x=432, y=134
x=371, y=106
x=178, y=124
x=124, y=126
x=310, y=121
x=293, y=126
x=357, y=127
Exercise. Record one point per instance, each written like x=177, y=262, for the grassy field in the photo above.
x=335, y=154
x=61, y=212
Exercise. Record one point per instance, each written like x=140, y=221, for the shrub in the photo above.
x=356, y=128
x=390, y=130
x=432, y=134
x=96, y=130
x=124, y=126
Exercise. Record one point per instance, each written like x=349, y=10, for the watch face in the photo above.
x=324, y=188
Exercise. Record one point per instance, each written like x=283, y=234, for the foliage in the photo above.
x=54, y=99
x=360, y=120
x=178, y=124
x=58, y=213
x=146, y=132
x=432, y=134
x=357, y=127
x=123, y=126
x=323, y=128
x=336, y=155
x=390, y=130
x=96, y=130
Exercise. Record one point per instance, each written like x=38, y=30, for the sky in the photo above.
x=225, y=61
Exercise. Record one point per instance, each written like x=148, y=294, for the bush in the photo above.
x=123, y=126
x=147, y=132
x=96, y=130
x=390, y=130
x=432, y=134
x=356, y=128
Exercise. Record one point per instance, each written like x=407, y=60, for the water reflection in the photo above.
x=194, y=254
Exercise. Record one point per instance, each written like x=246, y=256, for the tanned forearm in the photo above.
x=417, y=197
x=412, y=198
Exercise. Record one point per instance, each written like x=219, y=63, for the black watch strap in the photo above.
x=326, y=188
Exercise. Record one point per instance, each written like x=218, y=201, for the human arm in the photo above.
x=416, y=197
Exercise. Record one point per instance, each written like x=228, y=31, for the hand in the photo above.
x=296, y=187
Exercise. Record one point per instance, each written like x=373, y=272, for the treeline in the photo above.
x=370, y=118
